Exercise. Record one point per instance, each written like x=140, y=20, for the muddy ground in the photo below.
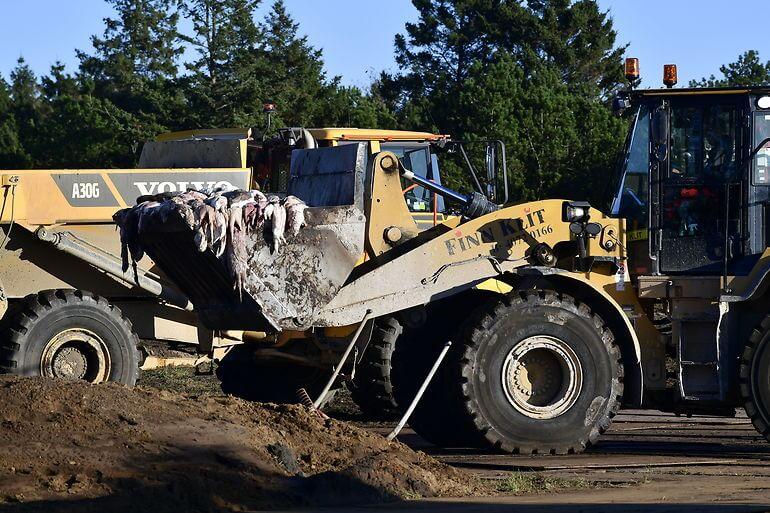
x=74, y=447
x=156, y=449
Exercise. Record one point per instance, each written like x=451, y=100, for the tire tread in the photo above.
x=36, y=306
x=484, y=320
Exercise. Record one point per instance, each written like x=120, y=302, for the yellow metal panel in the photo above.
x=495, y=286
x=45, y=197
x=386, y=206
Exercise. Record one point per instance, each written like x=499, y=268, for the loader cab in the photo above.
x=694, y=181
x=415, y=151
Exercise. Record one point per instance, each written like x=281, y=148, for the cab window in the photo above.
x=703, y=141
x=631, y=200
x=703, y=163
x=417, y=158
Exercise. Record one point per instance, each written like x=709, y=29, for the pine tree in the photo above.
x=535, y=74
x=11, y=153
x=748, y=70
x=136, y=56
x=579, y=40
x=225, y=80
x=127, y=86
x=25, y=97
x=297, y=82
x=82, y=129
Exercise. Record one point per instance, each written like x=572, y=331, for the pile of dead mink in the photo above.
x=220, y=218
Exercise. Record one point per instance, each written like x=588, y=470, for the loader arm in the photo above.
x=458, y=259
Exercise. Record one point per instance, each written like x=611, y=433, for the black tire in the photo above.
x=372, y=388
x=754, y=378
x=72, y=334
x=268, y=382
x=438, y=417
x=543, y=320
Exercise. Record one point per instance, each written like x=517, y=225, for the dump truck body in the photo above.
x=82, y=203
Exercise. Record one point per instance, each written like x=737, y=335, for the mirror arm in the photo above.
x=471, y=169
x=759, y=147
x=744, y=166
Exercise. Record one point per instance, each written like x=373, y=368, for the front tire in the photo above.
x=539, y=373
x=70, y=334
x=754, y=375
x=372, y=389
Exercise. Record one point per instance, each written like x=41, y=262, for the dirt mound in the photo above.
x=68, y=446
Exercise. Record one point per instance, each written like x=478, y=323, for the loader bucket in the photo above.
x=283, y=289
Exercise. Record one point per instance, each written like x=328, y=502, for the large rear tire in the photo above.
x=438, y=417
x=539, y=373
x=754, y=375
x=70, y=334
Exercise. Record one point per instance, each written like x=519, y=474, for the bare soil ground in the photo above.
x=74, y=447
x=79, y=448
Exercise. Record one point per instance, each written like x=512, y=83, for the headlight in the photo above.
x=576, y=211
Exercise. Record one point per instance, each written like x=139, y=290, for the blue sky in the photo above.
x=357, y=35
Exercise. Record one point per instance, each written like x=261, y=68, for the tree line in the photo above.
x=536, y=74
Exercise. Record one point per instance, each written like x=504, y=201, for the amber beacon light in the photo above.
x=670, y=77
x=632, y=69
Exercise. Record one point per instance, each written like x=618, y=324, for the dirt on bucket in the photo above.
x=70, y=446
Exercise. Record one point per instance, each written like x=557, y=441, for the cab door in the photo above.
x=700, y=186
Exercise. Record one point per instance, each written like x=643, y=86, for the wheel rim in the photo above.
x=542, y=377
x=76, y=353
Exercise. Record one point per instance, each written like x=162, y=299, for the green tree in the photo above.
x=559, y=142
x=11, y=152
x=578, y=38
x=135, y=60
x=748, y=70
x=125, y=90
x=25, y=98
x=82, y=129
x=297, y=82
x=224, y=82
x=536, y=74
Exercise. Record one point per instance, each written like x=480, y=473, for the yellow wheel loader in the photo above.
x=659, y=302
x=69, y=309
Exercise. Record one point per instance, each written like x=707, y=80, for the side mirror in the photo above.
x=621, y=104
x=490, y=162
x=497, y=172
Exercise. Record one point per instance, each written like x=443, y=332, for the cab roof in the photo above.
x=367, y=134
x=693, y=91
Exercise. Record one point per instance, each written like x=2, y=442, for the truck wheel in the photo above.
x=372, y=388
x=754, y=375
x=70, y=334
x=438, y=417
x=539, y=373
x=274, y=382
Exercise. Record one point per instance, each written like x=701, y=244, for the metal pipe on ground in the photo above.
x=318, y=402
x=408, y=413
x=97, y=257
